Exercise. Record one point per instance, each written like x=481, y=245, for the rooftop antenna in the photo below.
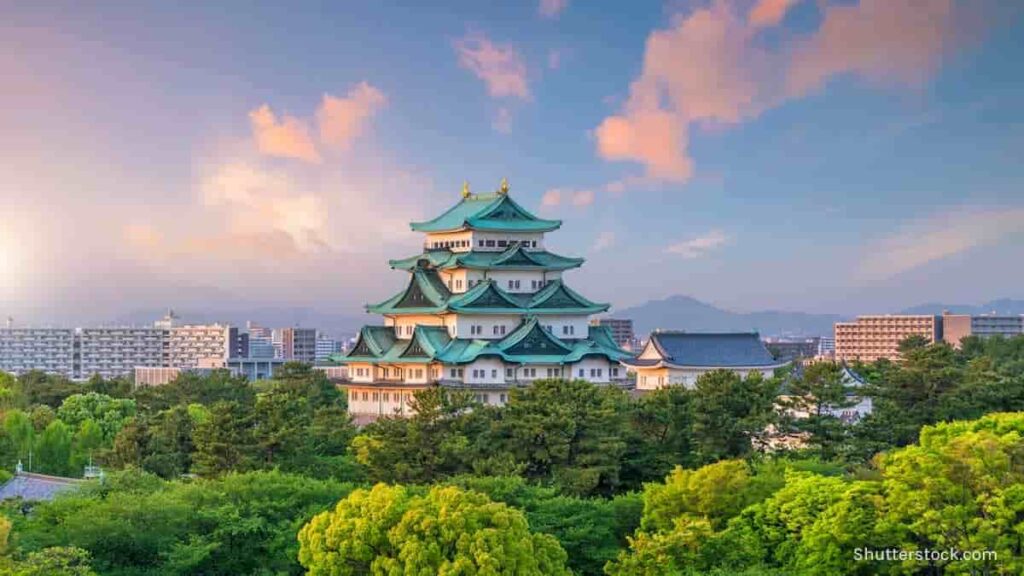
x=10, y=322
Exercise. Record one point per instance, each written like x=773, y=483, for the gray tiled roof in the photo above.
x=28, y=486
x=725, y=350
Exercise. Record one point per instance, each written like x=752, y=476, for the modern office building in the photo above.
x=299, y=344
x=679, y=358
x=485, y=309
x=325, y=348
x=621, y=329
x=260, y=347
x=956, y=327
x=869, y=338
x=826, y=346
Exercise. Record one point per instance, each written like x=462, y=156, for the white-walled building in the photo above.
x=485, y=309
x=679, y=358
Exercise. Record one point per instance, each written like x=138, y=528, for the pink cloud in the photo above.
x=769, y=12
x=883, y=41
x=699, y=246
x=578, y=198
x=287, y=138
x=500, y=66
x=552, y=8
x=341, y=120
x=712, y=68
x=502, y=120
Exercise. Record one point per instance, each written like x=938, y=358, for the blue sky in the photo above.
x=794, y=154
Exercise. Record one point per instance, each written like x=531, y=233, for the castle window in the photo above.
x=494, y=373
x=502, y=243
x=490, y=243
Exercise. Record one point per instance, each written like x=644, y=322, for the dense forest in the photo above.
x=215, y=475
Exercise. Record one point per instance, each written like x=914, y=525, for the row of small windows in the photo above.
x=379, y=396
x=504, y=243
x=450, y=244
x=480, y=373
x=486, y=398
x=441, y=244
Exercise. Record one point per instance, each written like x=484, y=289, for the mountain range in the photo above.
x=692, y=315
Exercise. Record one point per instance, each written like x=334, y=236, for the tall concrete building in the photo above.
x=869, y=338
x=621, y=329
x=326, y=347
x=956, y=327
x=50, y=350
x=115, y=352
x=299, y=344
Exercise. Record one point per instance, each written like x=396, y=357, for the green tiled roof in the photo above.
x=515, y=257
x=426, y=294
x=529, y=343
x=494, y=212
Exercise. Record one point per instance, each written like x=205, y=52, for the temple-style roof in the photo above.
x=492, y=212
x=515, y=257
x=705, y=350
x=32, y=487
x=529, y=342
x=427, y=294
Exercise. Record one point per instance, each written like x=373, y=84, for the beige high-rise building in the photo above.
x=872, y=337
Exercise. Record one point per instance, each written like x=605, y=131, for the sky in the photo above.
x=813, y=155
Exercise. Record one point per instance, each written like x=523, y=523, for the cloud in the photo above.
x=554, y=58
x=713, y=68
x=552, y=8
x=936, y=237
x=699, y=246
x=883, y=41
x=342, y=120
x=500, y=66
x=287, y=138
x=578, y=198
x=604, y=240
x=769, y=12
x=502, y=120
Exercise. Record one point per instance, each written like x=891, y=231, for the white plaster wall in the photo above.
x=493, y=371
x=594, y=369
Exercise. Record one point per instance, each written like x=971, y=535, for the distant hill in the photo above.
x=1001, y=306
x=686, y=313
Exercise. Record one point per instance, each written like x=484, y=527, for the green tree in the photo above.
x=53, y=449
x=18, y=427
x=431, y=444
x=225, y=442
x=814, y=394
x=87, y=440
x=388, y=530
x=111, y=414
x=660, y=436
x=54, y=562
x=731, y=413
x=570, y=432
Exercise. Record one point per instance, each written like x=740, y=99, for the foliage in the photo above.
x=111, y=414
x=137, y=524
x=390, y=530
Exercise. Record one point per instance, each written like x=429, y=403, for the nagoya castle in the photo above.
x=486, y=309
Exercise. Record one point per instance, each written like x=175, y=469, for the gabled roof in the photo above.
x=706, y=350
x=532, y=339
x=529, y=342
x=557, y=295
x=495, y=212
x=373, y=342
x=515, y=257
x=426, y=294
x=35, y=487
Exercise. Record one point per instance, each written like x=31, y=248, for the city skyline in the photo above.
x=264, y=156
